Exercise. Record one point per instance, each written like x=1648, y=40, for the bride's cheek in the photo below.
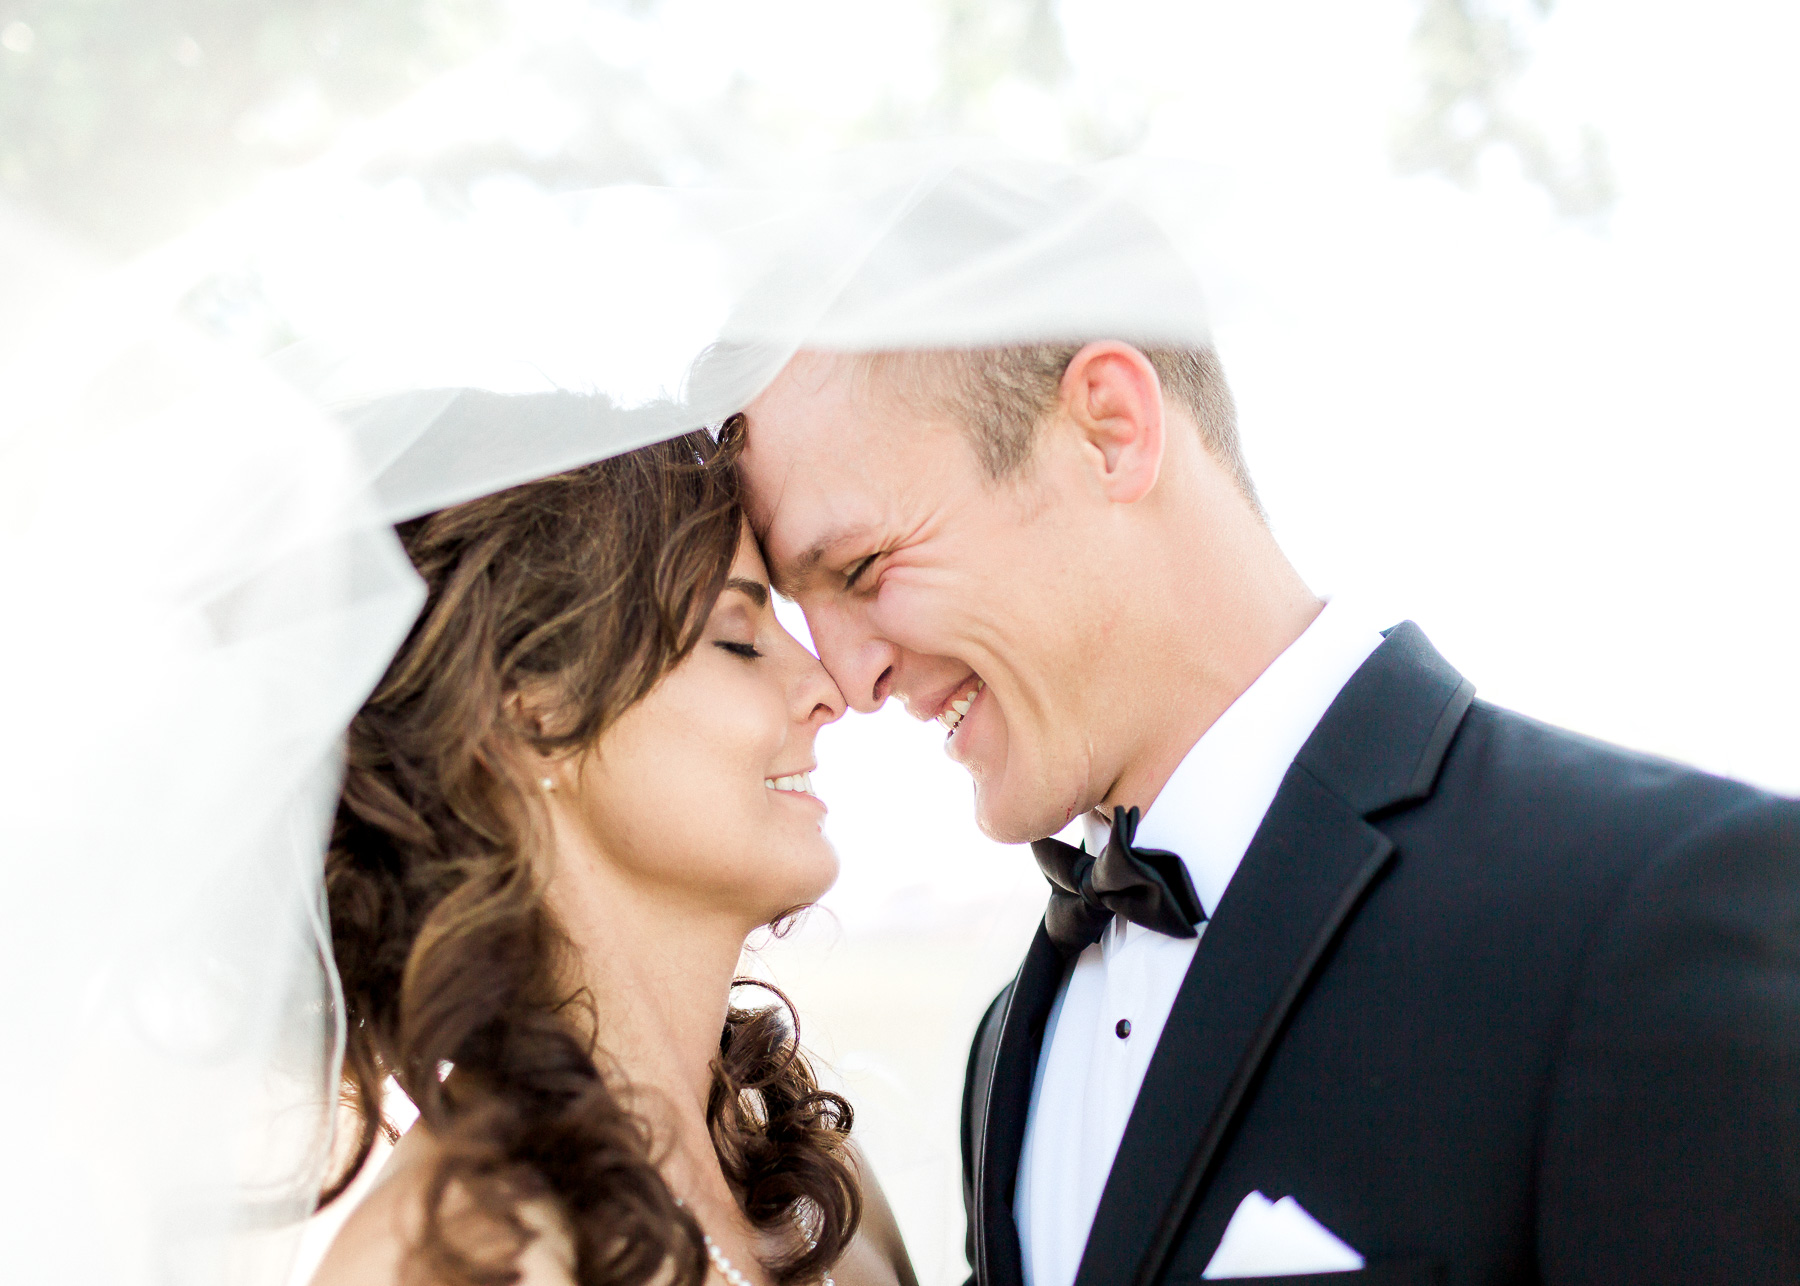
x=747, y=732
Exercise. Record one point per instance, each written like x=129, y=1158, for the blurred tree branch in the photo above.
x=1470, y=59
x=123, y=121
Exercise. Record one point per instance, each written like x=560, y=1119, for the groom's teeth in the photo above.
x=958, y=708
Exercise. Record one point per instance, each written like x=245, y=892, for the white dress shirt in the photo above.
x=1088, y=1075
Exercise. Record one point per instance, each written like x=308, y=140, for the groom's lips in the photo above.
x=959, y=711
x=938, y=706
x=961, y=706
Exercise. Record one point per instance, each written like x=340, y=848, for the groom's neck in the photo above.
x=1217, y=603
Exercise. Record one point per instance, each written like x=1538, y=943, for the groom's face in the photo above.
x=923, y=579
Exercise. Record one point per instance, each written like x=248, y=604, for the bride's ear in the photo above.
x=527, y=714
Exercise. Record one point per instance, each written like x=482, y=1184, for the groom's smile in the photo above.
x=979, y=601
x=955, y=707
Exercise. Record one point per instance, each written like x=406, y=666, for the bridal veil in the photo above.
x=205, y=586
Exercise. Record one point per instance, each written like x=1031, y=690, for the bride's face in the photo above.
x=697, y=795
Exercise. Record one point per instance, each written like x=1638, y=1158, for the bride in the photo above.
x=580, y=786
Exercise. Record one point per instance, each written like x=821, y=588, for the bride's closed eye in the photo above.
x=758, y=594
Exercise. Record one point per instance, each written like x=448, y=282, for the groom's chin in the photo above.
x=1015, y=798
x=1012, y=817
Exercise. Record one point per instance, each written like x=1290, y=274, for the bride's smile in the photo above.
x=700, y=793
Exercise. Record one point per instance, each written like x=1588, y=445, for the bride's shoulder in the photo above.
x=378, y=1236
x=877, y=1255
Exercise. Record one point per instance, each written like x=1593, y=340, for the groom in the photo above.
x=1358, y=979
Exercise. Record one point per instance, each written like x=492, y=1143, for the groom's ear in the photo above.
x=1113, y=398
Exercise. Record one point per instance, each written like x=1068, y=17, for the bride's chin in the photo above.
x=813, y=884
x=773, y=902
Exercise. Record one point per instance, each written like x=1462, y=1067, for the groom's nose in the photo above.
x=859, y=661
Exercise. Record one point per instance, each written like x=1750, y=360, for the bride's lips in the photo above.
x=796, y=785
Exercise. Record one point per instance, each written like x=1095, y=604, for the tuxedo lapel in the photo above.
x=1003, y=1096
x=1301, y=882
x=1314, y=859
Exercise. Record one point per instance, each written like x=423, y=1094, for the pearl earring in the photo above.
x=548, y=783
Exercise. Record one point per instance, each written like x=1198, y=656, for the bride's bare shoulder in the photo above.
x=877, y=1256
x=373, y=1246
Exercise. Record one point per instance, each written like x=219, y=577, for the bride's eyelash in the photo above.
x=746, y=650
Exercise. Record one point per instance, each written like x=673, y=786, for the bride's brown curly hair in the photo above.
x=592, y=584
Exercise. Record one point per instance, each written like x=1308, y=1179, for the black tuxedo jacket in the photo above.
x=1493, y=1002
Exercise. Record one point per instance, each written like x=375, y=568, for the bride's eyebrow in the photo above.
x=755, y=591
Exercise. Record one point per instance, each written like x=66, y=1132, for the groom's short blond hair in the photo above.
x=1003, y=394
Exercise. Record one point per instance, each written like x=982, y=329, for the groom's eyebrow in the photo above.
x=789, y=579
x=755, y=591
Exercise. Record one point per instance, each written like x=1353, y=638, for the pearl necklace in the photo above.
x=730, y=1272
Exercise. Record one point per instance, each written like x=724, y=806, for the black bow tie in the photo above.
x=1148, y=886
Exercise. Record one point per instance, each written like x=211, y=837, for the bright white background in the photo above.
x=1566, y=447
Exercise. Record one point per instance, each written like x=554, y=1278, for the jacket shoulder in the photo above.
x=1684, y=1046
x=1534, y=840
x=1554, y=787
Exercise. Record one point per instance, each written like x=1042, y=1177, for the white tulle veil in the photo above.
x=205, y=586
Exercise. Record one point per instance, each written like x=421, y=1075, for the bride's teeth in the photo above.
x=801, y=782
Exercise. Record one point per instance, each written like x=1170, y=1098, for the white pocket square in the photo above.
x=1277, y=1239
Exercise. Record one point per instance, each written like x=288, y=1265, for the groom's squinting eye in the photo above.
x=857, y=569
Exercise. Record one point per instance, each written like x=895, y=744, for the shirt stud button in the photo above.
x=1123, y=1028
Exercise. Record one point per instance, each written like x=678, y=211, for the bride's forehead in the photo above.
x=748, y=563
